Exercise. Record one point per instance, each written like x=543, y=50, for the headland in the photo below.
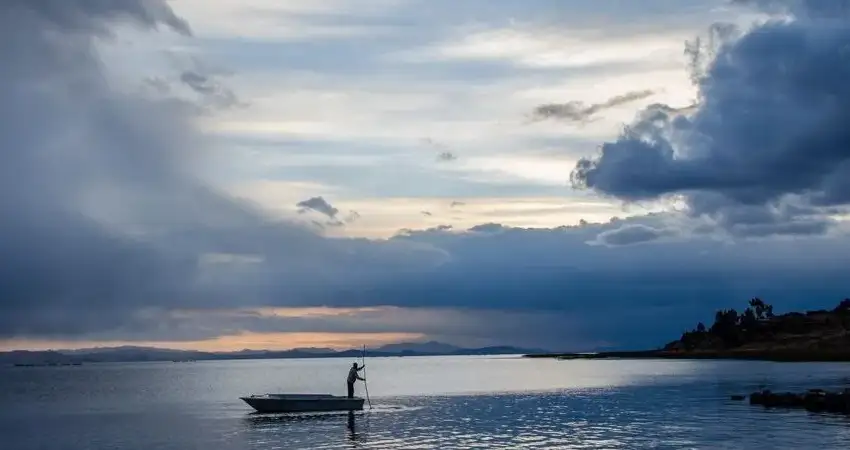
x=754, y=334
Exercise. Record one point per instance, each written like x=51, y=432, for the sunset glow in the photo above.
x=251, y=341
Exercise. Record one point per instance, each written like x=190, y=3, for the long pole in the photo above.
x=365, y=385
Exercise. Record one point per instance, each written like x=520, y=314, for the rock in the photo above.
x=814, y=400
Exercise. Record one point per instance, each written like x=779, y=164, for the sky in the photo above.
x=559, y=174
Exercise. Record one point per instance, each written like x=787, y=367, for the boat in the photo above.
x=280, y=403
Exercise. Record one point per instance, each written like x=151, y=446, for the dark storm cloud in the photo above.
x=631, y=294
x=103, y=213
x=812, y=8
x=627, y=295
x=768, y=140
x=92, y=16
x=54, y=254
x=495, y=327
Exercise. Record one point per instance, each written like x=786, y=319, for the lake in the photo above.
x=418, y=403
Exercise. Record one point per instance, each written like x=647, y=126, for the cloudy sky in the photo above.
x=565, y=174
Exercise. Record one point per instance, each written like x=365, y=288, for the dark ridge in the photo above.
x=754, y=334
x=24, y=358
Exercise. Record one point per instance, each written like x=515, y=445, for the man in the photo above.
x=353, y=376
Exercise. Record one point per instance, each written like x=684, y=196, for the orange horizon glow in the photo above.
x=237, y=342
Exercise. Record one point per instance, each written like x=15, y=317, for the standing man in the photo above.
x=353, y=376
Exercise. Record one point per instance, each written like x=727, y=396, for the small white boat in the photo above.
x=280, y=403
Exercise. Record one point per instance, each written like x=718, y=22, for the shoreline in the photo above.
x=740, y=355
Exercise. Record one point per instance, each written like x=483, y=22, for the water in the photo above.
x=418, y=403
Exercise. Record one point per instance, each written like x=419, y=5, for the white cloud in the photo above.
x=536, y=48
x=284, y=20
x=383, y=217
x=448, y=111
x=335, y=122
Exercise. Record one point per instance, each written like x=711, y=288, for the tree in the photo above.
x=748, y=319
x=700, y=328
x=725, y=326
x=762, y=310
x=768, y=311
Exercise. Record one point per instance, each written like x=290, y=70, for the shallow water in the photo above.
x=421, y=403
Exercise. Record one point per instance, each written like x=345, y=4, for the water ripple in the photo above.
x=613, y=420
x=587, y=405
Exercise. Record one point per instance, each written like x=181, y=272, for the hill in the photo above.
x=421, y=347
x=823, y=334
x=140, y=354
x=755, y=333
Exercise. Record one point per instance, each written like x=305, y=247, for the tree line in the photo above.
x=731, y=328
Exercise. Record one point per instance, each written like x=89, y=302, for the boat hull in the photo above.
x=282, y=403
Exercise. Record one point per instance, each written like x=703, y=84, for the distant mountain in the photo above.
x=130, y=353
x=419, y=347
x=140, y=354
x=27, y=357
x=314, y=350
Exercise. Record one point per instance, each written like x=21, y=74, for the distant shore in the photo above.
x=753, y=334
x=52, y=358
x=747, y=355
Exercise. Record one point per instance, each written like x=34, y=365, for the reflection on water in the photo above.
x=592, y=419
x=423, y=403
x=268, y=428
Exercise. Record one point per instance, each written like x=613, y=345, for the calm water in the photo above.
x=421, y=403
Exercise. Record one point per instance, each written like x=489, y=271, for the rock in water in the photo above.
x=814, y=400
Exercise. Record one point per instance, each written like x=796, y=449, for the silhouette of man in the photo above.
x=353, y=376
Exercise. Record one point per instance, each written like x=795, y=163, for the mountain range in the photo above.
x=139, y=354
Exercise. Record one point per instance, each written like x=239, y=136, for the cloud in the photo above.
x=650, y=290
x=631, y=235
x=91, y=17
x=333, y=110
x=809, y=8
x=577, y=111
x=534, y=46
x=107, y=208
x=446, y=156
x=109, y=223
x=765, y=150
x=462, y=326
x=318, y=204
x=211, y=95
x=352, y=216
x=214, y=93
x=288, y=20
x=488, y=228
